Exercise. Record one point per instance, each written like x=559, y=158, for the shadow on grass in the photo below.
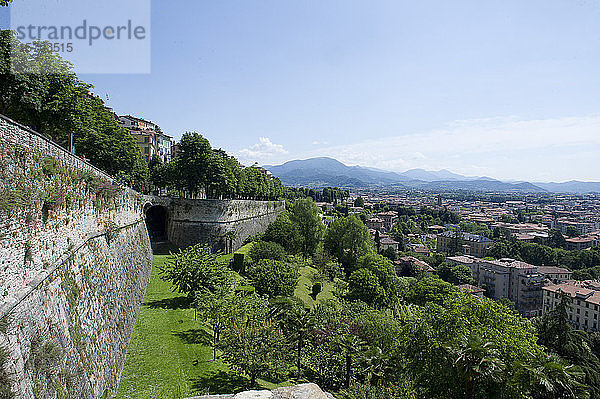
x=195, y=336
x=179, y=302
x=221, y=382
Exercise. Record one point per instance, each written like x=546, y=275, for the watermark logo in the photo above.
x=111, y=36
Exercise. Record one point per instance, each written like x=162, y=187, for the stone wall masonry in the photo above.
x=75, y=259
x=191, y=221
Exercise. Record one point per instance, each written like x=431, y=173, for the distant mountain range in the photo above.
x=323, y=172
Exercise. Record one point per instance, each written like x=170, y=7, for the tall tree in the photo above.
x=304, y=213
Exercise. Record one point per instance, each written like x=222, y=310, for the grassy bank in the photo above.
x=170, y=354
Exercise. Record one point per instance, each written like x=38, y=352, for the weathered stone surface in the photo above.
x=301, y=391
x=191, y=221
x=69, y=291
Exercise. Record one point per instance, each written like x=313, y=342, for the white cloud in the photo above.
x=502, y=147
x=319, y=142
x=262, y=152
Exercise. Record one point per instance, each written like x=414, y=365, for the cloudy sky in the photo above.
x=507, y=89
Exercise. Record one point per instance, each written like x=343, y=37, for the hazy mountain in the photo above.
x=321, y=172
x=324, y=171
x=438, y=175
x=572, y=186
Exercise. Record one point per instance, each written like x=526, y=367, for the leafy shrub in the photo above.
x=196, y=268
x=274, y=278
x=267, y=250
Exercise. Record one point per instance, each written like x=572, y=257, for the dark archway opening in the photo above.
x=156, y=222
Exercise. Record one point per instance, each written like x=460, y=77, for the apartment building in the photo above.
x=584, y=300
x=583, y=242
x=469, y=244
x=389, y=218
x=555, y=274
x=517, y=281
x=148, y=137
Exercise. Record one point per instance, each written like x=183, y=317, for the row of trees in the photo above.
x=47, y=96
x=538, y=254
x=199, y=169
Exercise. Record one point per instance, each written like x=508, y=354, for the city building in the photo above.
x=387, y=242
x=469, y=244
x=472, y=289
x=556, y=275
x=389, y=218
x=582, y=242
x=584, y=301
x=408, y=265
x=375, y=224
x=517, y=281
x=148, y=137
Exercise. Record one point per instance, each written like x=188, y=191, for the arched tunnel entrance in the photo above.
x=156, y=222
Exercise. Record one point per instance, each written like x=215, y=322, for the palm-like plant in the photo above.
x=550, y=378
x=476, y=360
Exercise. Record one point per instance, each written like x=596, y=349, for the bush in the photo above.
x=196, y=268
x=267, y=250
x=274, y=278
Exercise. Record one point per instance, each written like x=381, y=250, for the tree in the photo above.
x=359, y=202
x=556, y=333
x=386, y=275
x=284, y=232
x=267, y=250
x=197, y=269
x=363, y=285
x=431, y=289
x=296, y=322
x=347, y=239
x=192, y=162
x=305, y=216
x=255, y=348
x=455, y=274
x=274, y=278
x=549, y=377
x=556, y=239
x=476, y=360
x=46, y=95
x=390, y=253
x=221, y=309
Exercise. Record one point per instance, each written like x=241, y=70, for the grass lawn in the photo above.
x=170, y=354
x=304, y=287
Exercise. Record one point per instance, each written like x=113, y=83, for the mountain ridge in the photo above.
x=326, y=171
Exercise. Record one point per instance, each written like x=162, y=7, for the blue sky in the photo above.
x=508, y=89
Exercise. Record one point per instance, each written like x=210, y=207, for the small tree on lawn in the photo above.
x=274, y=278
x=196, y=269
x=256, y=348
x=221, y=310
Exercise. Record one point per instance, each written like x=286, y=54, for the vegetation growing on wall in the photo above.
x=35, y=186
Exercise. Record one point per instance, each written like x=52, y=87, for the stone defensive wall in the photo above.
x=224, y=224
x=75, y=259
